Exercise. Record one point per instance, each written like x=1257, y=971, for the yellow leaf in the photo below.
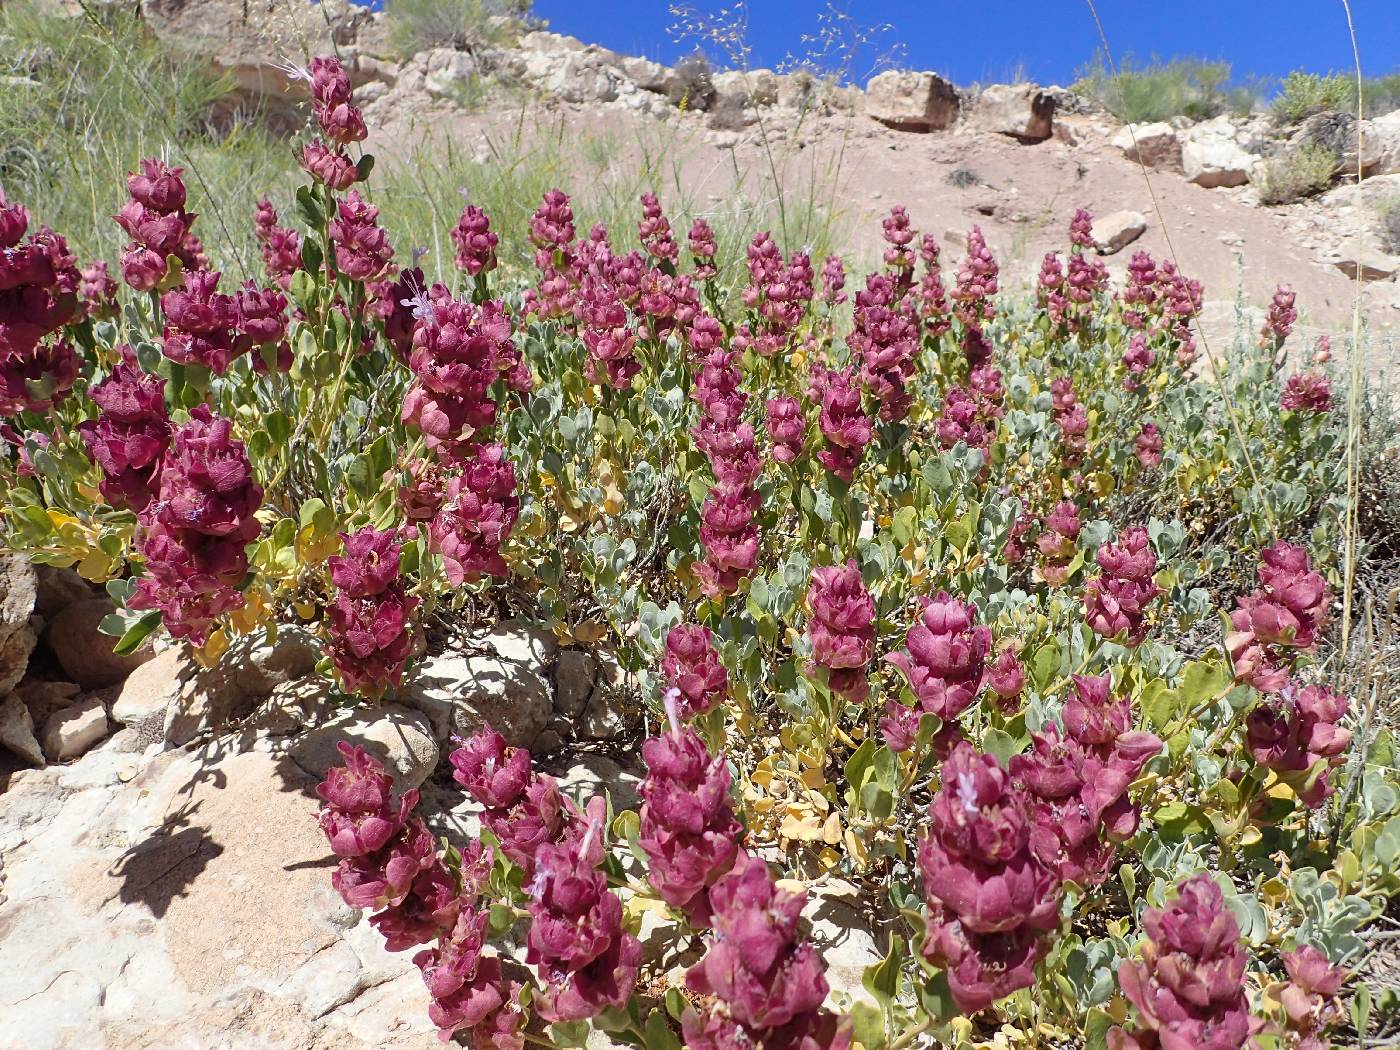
x=215, y=647
x=96, y=566
x=831, y=830
x=589, y=632
x=800, y=827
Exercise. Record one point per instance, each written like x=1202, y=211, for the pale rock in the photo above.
x=71, y=731
x=1156, y=145
x=18, y=593
x=150, y=689
x=17, y=730
x=447, y=70
x=1337, y=132
x=1021, y=111
x=573, y=681
x=911, y=101
x=844, y=939
x=400, y=738
x=294, y=706
x=1211, y=155
x=1374, y=265
x=520, y=643
x=230, y=690
x=756, y=87
x=84, y=652
x=1115, y=231
x=592, y=774
x=460, y=694
x=44, y=698
x=646, y=74
x=56, y=589
x=611, y=707
x=1385, y=132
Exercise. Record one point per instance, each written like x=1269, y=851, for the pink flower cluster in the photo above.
x=523, y=809
x=833, y=281
x=1189, y=988
x=990, y=900
x=1296, y=734
x=280, y=247
x=341, y=122
x=1067, y=292
x=158, y=225
x=389, y=863
x=1115, y=601
x=945, y=665
x=932, y=298
x=1072, y=419
x=1284, y=615
x=476, y=244
x=194, y=534
x=1058, y=542
x=703, y=249
x=129, y=437
x=841, y=628
x=692, y=667
x=976, y=282
x=207, y=327
x=1147, y=445
x=777, y=294
x=1164, y=298
x=1136, y=361
x=1309, y=999
x=885, y=340
x=688, y=827
x=970, y=415
x=1278, y=322
x=899, y=234
x=97, y=290
x=770, y=982
x=38, y=295
x=1309, y=392
x=459, y=351
x=727, y=529
x=362, y=249
x=587, y=961
x=654, y=231
x=369, y=622
x=1077, y=783
x=477, y=515
x=844, y=425
x=787, y=428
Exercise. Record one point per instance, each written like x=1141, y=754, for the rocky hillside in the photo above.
x=1013, y=158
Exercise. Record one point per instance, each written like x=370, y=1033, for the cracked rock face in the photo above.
x=187, y=905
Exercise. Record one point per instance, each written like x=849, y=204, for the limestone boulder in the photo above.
x=1156, y=145
x=910, y=101
x=400, y=738
x=1116, y=230
x=71, y=731
x=1022, y=111
x=84, y=652
x=1212, y=155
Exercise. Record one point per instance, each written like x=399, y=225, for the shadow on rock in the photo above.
x=166, y=863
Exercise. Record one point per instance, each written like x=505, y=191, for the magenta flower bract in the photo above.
x=947, y=657
x=688, y=827
x=1147, y=445
x=787, y=428
x=476, y=244
x=1278, y=322
x=1307, y=392
x=770, y=980
x=1115, y=602
x=844, y=424
x=477, y=516
x=130, y=435
x=1285, y=613
x=976, y=282
x=841, y=628
x=990, y=900
x=1297, y=735
x=692, y=666
x=196, y=531
x=369, y=624
x=703, y=248
x=362, y=249
x=1188, y=990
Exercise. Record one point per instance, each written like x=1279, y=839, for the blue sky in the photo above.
x=1046, y=39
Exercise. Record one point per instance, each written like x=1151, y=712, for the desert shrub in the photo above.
x=996, y=611
x=690, y=86
x=1388, y=216
x=465, y=25
x=1187, y=87
x=1301, y=171
x=1304, y=94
